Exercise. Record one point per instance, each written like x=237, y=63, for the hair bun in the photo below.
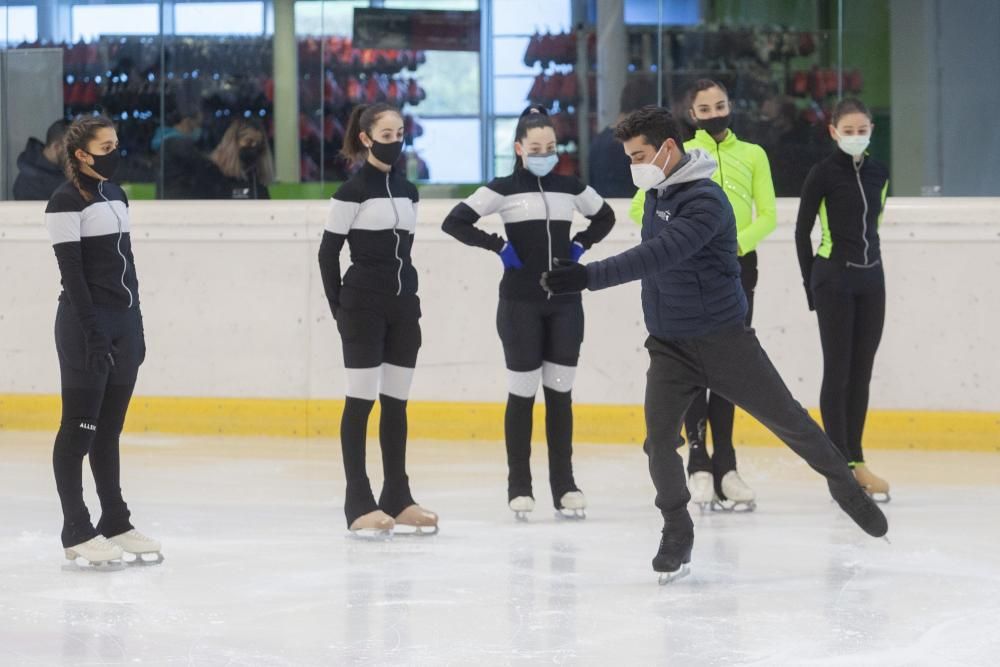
x=535, y=109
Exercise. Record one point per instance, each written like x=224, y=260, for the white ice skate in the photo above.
x=139, y=549
x=572, y=505
x=665, y=578
x=375, y=525
x=738, y=497
x=97, y=552
x=522, y=506
x=700, y=484
x=415, y=520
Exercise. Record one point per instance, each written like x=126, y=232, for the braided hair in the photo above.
x=80, y=132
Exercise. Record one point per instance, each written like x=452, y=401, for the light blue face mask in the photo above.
x=540, y=165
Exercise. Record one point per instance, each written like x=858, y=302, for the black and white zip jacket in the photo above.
x=849, y=199
x=375, y=213
x=537, y=215
x=92, y=242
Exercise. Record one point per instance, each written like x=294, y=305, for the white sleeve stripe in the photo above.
x=341, y=215
x=63, y=227
x=484, y=201
x=588, y=202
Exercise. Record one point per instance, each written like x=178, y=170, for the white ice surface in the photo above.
x=258, y=570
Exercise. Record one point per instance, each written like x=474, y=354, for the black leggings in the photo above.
x=711, y=409
x=381, y=337
x=93, y=412
x=541, y=343
x=850, y=306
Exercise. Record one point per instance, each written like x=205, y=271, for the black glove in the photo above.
x=568, y=278
x=100, y=357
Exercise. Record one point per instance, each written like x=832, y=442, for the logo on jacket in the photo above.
x=663, y=215
x=88, y=427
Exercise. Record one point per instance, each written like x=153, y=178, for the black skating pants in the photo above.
x=541, y=341
x=381, y=338
x=733, y=364
x=93, y=413
x=850, y=306
x=710, y=410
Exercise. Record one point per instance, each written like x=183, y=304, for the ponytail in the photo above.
x=363, y=119
x=78, y=135
x=533, y=117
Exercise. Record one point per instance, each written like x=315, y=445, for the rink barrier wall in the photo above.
x=886, y=429
x=240, y=335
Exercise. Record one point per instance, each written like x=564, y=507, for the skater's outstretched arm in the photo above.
x=686, y=234
x=809, y=204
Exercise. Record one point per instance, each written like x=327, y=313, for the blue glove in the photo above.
x=509, y=257
x=576, y=251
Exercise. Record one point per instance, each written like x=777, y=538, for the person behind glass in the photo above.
x=99, y=340
x=241, y=166
x=608, y=166
x=844, y=279
x=40, y=167
x=541, y=334
x=744, y=174
x=377, y=312
x=182, y=161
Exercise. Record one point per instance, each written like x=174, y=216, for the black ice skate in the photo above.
x=673, y=558
x=860, y=507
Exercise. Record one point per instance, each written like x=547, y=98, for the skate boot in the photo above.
x=700, y=484
x=735, y=495
x=141, y=550
x=415, y=520
x=521, y=506
x=374, y=525
x=876, y=487
x=674, y=556
x=858, y=505
x=97, y=552
x=572, y=505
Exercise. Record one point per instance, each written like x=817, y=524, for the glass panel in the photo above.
x=449, y=150
x=18, y=24
x=90, y=22
x=219, y=18
x=524, y=17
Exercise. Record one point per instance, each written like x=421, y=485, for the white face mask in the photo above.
x=647, y=176
x=855, y=145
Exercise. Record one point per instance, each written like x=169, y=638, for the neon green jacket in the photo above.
x=745, y=175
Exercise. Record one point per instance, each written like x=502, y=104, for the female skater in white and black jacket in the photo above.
x=99, y=340
x=377, y=312
x=541, y=334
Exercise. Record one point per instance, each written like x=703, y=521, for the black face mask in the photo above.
x=716, y=125
x=387, y=153
x=106, y=165
x=250, y=154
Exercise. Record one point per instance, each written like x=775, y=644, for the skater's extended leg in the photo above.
x=672, y=382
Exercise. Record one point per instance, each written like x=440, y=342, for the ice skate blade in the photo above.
x=733, y=507
x=571, y=515
x=703, y=507
x=142, y=560
x=521, y=515
x=880, y=498
x=403, y=530
x=371, y=534
x=669, y=577
x=78, y=563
